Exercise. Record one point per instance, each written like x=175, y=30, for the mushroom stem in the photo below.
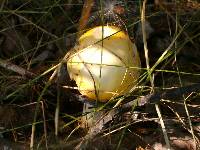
x=88, y=117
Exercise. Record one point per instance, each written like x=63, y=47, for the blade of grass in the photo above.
x=163, y=126
x=58, y=101
x=37, y=108
x=180, y=81
x=143, y=23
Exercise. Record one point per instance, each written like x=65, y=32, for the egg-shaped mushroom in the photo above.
x=104, y=63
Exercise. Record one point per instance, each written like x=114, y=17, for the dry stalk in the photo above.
x=12, y=67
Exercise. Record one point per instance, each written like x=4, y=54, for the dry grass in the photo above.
x=37, y=112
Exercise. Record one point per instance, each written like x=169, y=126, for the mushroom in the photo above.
x=105, y=64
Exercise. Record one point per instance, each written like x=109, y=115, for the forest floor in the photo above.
x=38, y=111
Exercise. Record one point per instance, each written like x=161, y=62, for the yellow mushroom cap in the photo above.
x=106, y=68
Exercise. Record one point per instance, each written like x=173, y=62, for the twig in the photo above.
x=175, y=93
x=85, y=15
x=15, y=68
x=169, y=94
